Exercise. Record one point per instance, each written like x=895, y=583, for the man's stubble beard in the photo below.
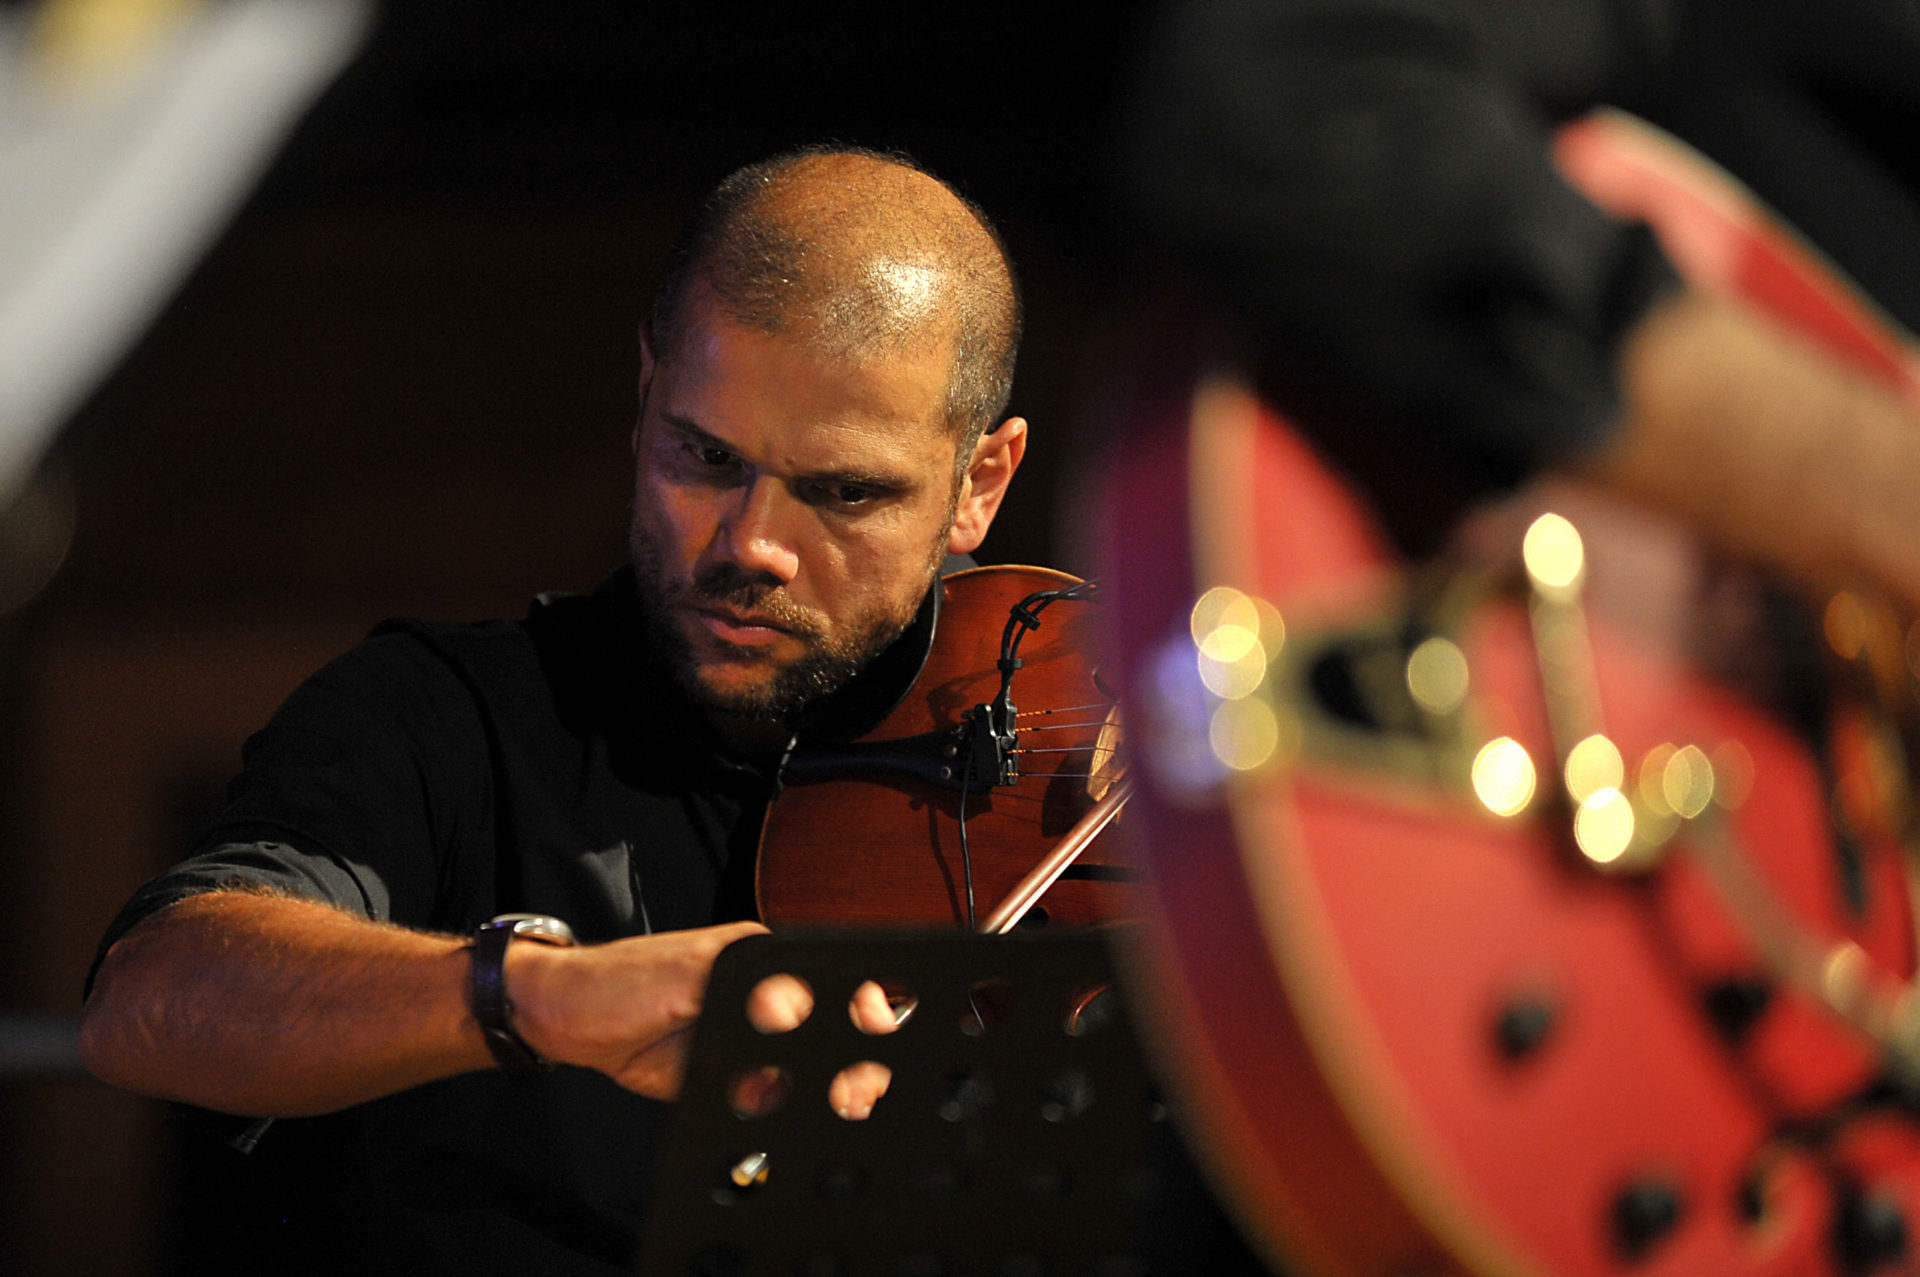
x=827, y=663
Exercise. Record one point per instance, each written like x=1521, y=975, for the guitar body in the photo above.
x=1413, y=1034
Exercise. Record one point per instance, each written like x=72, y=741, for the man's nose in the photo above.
x=756, y=533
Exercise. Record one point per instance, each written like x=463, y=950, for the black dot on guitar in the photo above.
x=1523, y=1026
x=1644, y=1212
x=1869, y=1230
x=1734, y=1006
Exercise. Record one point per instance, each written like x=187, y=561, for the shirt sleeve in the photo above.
x=353, y=794
x=1367, y=186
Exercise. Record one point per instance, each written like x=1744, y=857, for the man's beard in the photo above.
x=825, y=665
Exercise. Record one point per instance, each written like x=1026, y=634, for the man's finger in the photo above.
x=872, y=1012
x=779, y=1004
x=857, y=1088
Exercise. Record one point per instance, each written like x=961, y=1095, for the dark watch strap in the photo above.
x=488, y=994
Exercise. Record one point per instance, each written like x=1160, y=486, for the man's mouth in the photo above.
x=741, y=629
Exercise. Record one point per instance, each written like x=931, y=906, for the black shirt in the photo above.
x=1367, y=186
x=435, y=776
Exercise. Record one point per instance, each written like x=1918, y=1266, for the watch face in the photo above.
x=537, y=926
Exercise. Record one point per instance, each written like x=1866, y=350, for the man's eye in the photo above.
x=844, y=495
x=708, y=457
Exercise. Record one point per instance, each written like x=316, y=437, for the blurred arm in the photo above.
x=1768, y=448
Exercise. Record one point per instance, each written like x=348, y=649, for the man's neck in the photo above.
x=753, y=738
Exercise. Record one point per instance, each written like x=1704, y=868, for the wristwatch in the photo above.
x=487, y=983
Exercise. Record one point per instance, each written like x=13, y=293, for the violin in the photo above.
x=977, y=799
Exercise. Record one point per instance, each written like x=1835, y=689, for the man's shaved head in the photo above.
x=862, y=254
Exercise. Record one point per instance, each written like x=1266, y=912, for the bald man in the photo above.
x=828, y=356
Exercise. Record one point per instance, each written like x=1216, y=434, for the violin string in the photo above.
x=1051, y=749
x=1065, y=709
x=1068, y=727
x=1022, y=617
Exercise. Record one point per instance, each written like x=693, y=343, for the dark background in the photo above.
x=402, y=382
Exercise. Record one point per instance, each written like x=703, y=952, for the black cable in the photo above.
x=1023, y=616
x=966, y=852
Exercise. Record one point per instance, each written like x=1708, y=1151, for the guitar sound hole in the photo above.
x=1337, y=690
x=1363, y=682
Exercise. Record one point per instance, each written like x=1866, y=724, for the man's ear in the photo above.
x=995, y=458
x=647, y=366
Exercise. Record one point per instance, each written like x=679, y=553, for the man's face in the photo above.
x=789, y=510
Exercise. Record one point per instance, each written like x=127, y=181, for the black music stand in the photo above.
x=1014, y=1138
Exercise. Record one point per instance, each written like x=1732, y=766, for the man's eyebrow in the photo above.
x=685, y=425
x=884, y=480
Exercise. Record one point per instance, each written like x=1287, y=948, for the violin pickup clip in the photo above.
x=990, y=739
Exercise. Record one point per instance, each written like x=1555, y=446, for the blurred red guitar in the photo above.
x=1487, y=933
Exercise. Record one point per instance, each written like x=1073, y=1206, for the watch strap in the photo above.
x=487, y=993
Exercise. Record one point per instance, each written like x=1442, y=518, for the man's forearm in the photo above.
x=1769, y=448
x=273, y=1007
x=269, y=1006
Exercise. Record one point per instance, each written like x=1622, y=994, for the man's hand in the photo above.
x=626, y=1008
x=858, y=1087
x=782, y=1003
x=1770, y=448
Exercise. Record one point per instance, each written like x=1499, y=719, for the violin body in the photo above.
x=882, y=848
